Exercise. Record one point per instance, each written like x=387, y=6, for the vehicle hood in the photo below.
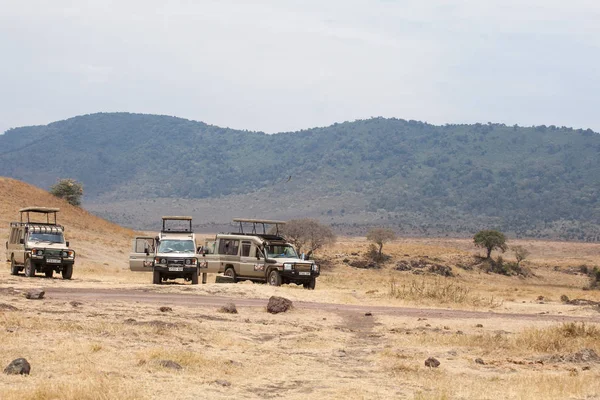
x=281, y=260
x=177, y=255
x=46, y=245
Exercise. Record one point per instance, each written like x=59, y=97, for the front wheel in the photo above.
x=274, y=278
x=156, y=278
x=29, y=268
x=195, y=278
x=310, y=285
x=67, y=271
x=14, y=270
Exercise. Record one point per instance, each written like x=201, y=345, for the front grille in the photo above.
x=52, y=252
x=176, y=263
x=303, y=267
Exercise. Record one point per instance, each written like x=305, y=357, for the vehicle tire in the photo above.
x=310, y=285
x=49, y=273
x=14, y=270
x=195, y=278
x=67, y=271
x=274, y=278
x=230, y=272
x=29, y=268
x=156, y=278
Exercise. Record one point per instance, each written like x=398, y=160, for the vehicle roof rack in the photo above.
x=39, y=210
x=187, y=229
x=255, y=222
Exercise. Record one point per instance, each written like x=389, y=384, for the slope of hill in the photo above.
x=91, y=236
x=536, y=181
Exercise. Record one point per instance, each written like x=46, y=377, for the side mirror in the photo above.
x=21, y=241
x=67, y=243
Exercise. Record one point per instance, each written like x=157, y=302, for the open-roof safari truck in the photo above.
x=259, y=256
x=170, y=255
x=36, y=243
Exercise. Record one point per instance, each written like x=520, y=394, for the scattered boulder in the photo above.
x=278, y=305
x=223, y=382
x=419, y=267
x=169, y=364
x=479, y=361
x=75, y=304
x=165, y=309
x=35, y=294
x=224, y=279
x=368, y=314
x=432, y=363
x=364, y=264
x=7, y=307
x=228, y=308
x=564, y=298
x=582, y=356
x=339, y=353
x=479, y=326
x=20, y=366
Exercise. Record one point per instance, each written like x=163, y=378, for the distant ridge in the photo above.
x=419, y=178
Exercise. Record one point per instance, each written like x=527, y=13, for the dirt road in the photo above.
x=191, y=300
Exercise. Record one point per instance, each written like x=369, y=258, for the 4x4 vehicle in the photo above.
x=170, y=255
x=258, y=256
x=39, y=246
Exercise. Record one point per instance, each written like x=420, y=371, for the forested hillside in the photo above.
x=525, y=180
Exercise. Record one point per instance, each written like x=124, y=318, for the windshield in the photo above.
x=176, y=246
x=46, y=237
x=283, y=251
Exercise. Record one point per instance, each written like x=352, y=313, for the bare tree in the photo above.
x=380, y=236
x=521, y=253
x=307, y=235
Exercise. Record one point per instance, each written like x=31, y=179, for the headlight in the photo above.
x=315, y=267
x=64, y=254
x=287, y=267
x=163, y=260
x=37, y=252
x=190, y=261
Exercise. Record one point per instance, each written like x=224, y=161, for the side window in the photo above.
x=223, y=245
x=259, y=253
x=142, y=244
x=246, y=249
x=11, y=239
x=233, y=248
x=229, y=247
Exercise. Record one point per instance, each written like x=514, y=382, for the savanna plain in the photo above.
x=362, y=334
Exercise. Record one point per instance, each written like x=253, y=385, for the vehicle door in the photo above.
x=19, y=245
x=248, y=261
x=141, y=257
x=229, y=254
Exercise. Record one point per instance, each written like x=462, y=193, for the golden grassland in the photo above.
x=114, y=349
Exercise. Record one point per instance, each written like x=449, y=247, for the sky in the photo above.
x=286, y=65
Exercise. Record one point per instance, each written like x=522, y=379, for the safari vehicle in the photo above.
x=39, y=246
x=258, y=256
x=170, y=255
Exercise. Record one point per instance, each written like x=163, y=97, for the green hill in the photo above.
x=420, y=178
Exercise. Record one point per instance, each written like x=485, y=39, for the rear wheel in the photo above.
x=195, y=278
x=29, y=268
x=49, y=273
x=67, y=271
x=274, y=278
x=310, y=285
x=14, y=270
x=230, y=272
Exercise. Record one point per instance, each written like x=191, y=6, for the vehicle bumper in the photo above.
x=43, y=263
x=297, y=276
x=169, y=272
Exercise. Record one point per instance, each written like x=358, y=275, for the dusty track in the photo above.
x=191, y=300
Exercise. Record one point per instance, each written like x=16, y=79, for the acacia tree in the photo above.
x=380, y=236
x=521, y=253
x=68, y=189
x=307, y=234
x=490, y=240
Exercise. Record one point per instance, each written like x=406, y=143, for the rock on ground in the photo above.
x=20, y=366
x=169, y=364
x=432, y=363
x=278, y=305
x=228, y=308
x=35, y=294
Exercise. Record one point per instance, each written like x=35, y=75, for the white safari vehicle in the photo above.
x=39, y=246
x=170, y=255
x=263, y=257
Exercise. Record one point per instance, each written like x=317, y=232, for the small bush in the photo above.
x=68, y=189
